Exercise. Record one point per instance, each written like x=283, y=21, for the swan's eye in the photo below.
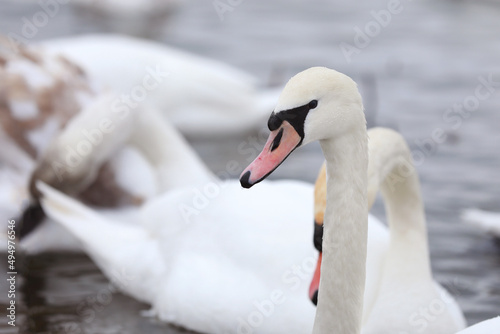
x=313, y=104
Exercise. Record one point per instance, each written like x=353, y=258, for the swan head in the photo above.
x=316, y=104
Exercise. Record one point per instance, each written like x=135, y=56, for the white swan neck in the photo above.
x=340, y=300
x=391, y=169
x=165, y=148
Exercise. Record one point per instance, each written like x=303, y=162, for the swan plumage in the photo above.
x=201, y=273
x=40, y=94
x=147, y=157
x=199, y=96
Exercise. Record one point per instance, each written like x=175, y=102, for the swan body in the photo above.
x=193, y=262
x=199, y=96
x=323, y=105
x=484, y=220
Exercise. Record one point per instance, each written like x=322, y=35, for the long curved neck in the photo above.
x=340, y=300
x=391, y=169
x=175, y=161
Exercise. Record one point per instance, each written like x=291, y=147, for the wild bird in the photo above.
x=199, y=96
x=146, y=157
x=205, y=248
x=62, y=90
x=52, y=117
x=320, y=104
x=38, y=95
x=484, y=220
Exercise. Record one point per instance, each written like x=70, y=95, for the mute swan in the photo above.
x=51, y=113
x=71, y=161
x=147, y=157
x=199, y=96
x=40, y=93
x=323, y=105
x=486, y=221
x=51, y=109
x=204, y=248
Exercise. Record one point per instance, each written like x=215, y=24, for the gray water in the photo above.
x=428, y=58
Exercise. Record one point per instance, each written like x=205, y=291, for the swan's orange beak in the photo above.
x=314, y=287
x=279, y=145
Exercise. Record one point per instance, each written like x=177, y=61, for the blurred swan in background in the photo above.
x=51, y=117
x=200, y=96
x=484, y=220
x=145, y=157
x=49, y=99
x=39, y=94
x=71, y=162
x=144, y=18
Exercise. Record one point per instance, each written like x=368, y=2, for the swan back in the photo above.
x=183, y=86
